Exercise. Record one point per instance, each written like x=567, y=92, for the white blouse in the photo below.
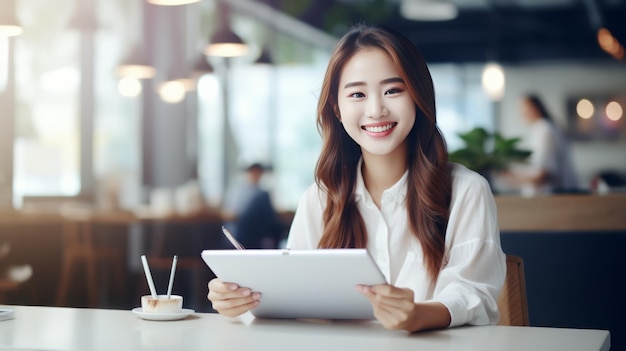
x=474, y=267
x=550, y=152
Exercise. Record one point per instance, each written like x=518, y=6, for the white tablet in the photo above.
x=301, y=283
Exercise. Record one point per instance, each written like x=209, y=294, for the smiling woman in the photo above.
x=382, y=182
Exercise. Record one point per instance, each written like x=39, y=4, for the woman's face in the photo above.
x=375, y=107
x=530, y=113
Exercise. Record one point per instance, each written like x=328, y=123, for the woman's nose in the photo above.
x=376, y=108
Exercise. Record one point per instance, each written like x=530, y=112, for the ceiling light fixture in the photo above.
x=9, y=26
x=225, y=42
x=129, y=87
x=610, y=44
x=172, y=91
x=493, y=81
x=136, y=65
x=428, y=10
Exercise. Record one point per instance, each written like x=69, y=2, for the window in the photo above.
x=273, y=120
x=51, y=141
x=461, y=103
x=47, y=83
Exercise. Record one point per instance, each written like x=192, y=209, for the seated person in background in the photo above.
x=550, y=167
x=249, y=213
x=383, y=182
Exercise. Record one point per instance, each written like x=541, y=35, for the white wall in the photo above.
x=554, y=83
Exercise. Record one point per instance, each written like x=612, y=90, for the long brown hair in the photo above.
x=429, y=179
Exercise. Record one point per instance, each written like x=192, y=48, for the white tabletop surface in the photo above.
x=55, y=328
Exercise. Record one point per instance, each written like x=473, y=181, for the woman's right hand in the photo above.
x=231, y=300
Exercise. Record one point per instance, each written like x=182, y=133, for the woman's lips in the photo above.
x=380, y=128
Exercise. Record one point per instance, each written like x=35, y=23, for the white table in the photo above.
x=55, y=328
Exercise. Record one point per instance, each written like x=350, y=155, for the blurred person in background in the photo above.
x=249, y=214
x=549, y=168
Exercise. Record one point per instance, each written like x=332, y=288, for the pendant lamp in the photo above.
x=136, y=65
x=172, y=91
x=493, y=81
x=9, y=26
x=225, y=42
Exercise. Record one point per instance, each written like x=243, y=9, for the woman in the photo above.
x=550, y=168
x=383, y=183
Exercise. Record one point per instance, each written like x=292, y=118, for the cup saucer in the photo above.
x=162, y=316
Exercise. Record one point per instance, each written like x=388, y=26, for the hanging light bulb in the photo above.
x=129, y=87
x=174, y=89
x=493, y=81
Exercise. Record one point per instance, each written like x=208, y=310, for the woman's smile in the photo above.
x=380, y=129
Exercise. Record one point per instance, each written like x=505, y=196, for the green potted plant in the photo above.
x=485, y=151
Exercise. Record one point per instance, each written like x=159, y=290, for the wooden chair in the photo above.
x=80, y=250
x=512, y=302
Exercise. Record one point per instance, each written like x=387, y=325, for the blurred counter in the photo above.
x=562, y=212
x=573, y=248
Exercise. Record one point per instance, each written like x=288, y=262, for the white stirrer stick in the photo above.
x=169, y=285
x=146, y=269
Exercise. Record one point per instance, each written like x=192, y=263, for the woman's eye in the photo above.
x=357, y=95
x=393, y=91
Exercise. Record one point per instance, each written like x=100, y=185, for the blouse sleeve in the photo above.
x=307, y=225
x=474, y=265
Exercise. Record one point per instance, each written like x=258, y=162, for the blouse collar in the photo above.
x=397, y=192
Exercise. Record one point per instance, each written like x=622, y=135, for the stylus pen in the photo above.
x=232, y=239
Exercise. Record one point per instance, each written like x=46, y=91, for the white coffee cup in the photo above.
x=162, y=304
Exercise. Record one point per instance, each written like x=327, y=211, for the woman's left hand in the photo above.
x=393, y=307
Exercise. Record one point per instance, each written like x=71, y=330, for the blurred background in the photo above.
x=74, y=124
x=124, y=122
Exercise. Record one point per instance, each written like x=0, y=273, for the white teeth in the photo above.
x=378, y=129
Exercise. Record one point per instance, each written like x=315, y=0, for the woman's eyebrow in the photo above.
x=353, y=84
x=392, y=80
x=384, y=81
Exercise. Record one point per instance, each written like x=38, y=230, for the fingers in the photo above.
x=224, y=290
x=231, y=300
x=393, y=307
x=235, y=307
x=385, y=294
x=374, y=299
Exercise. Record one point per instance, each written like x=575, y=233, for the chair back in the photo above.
x=512, y=302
